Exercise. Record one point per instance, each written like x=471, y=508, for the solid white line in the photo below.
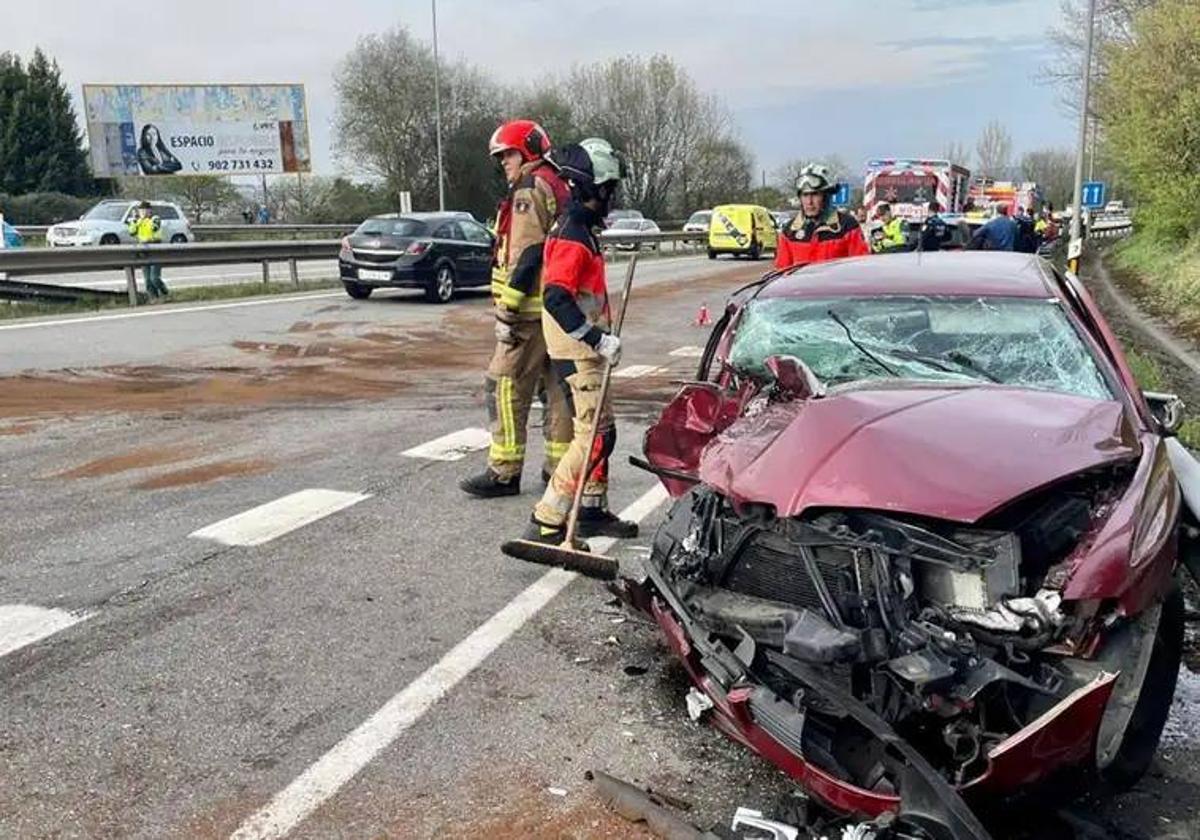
x=274, y=519
x=328, y=774
x=452, y=447
x=688, y=352
x=634, y=371
x=23, y=624
x=169, y=310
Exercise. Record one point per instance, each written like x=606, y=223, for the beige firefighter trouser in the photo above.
x=584, y=386
x=513, y=378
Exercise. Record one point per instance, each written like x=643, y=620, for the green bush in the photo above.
x=43, y=208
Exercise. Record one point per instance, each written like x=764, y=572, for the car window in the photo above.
x=1022, y=342
x=164, y=212
x=108, y=212
x=391, y=227
x=475, y=233
x=448, y=230
x=627, y=224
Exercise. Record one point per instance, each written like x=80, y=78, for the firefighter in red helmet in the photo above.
x=820, y=231
x=536, y=197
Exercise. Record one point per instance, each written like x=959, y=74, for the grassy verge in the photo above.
x=192, y=294
x=1165, y=277
x=1150, y=376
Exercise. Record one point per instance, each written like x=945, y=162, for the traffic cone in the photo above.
x=702, y=317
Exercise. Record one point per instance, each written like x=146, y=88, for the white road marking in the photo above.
x=452, y=447
x=274, y=519
x=329, y=773
x=23, y=624
x=634, y=371
x=688, y=352
x=168, y=310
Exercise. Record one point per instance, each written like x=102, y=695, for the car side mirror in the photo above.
x=1167, y=410
x=794, y=378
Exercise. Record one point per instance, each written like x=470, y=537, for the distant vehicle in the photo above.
x=698, y=222
x=1116, y=208
x=783, y=217
x=988, y=195
x=436, y=252
x=107, y=224
x=12, y=239
x=908, y=185
x=741, y=229
x=616, y=215
x=630, y=227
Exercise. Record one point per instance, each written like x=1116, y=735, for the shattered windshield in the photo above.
x=1022, y=342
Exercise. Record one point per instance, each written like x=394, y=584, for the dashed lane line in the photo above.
x=24, y=624
x=332, y=771
x=634, y=371
x=274, y=519
x=687, y=352
x=151, y=312
x=452, y=447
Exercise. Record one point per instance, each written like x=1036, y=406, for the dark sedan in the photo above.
x=436, y=252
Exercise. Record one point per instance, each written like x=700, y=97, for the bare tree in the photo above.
x=652, y=111
x=200, y=196
x=1053, y=170
x=957, y=152
x=1114, y=25
x=993, y=150
x=721, y=171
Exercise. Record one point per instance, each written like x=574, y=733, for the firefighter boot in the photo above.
x=602, y=522
x=488, y=485
x=540, y=532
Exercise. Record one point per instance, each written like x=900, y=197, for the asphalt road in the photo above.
x=357, y=660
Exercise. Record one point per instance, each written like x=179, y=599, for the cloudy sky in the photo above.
x=859, y=78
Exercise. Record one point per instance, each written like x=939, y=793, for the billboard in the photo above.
x=196, y=129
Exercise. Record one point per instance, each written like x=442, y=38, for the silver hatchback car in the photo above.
x=108, y=224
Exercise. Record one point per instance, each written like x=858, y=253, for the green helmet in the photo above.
x=592, y=161
x=815, y=178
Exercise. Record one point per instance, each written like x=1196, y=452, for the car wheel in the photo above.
x=110, y=239
x=712, y=255
x=178, y=239
x=755, y=251
x=357, y=290
x=1139, y=742
x=441, y=288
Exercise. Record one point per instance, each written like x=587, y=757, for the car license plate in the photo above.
x=371, y=274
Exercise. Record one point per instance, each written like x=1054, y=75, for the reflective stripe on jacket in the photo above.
x=146, y=229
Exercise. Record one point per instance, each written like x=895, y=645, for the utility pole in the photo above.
x=437, y=112
x=1075, y=248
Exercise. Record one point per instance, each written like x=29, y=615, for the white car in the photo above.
x=108, y=224
x=630, y=227
x=698, y=222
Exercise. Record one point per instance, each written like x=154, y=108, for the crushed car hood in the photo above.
x=952, y=453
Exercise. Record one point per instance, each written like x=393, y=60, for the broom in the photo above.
x=566, y=555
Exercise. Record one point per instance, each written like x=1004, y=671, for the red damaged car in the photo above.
x=923, y=547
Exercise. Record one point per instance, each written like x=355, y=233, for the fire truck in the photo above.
x=988, y=194
x=908, y=185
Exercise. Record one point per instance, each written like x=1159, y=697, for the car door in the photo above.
x=479, y=254
x=449, y=242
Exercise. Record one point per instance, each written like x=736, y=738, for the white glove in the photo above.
x=610, y=348
x=505, y=334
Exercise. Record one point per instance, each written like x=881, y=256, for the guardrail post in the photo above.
x=266, y=272
x=131, y=284
x=294, y=272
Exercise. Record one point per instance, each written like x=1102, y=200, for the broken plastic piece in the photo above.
x=749, y=818
x=813, y=639
x=697, y=704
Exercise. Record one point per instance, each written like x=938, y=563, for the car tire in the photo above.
x=755, y=251
x=1139, y=742
x=357, y=290
x=712, y=255
x=178, y=239
x=110, y=239
x=441, y=288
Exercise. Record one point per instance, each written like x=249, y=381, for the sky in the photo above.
x=857, y=78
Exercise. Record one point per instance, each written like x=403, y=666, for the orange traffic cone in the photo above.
x=702, y=317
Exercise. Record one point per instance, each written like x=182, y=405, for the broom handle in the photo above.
x=573, y=519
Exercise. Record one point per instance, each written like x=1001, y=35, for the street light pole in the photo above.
x=1075, y=249
x=437, y=112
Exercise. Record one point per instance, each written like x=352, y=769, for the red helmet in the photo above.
x=526, y=136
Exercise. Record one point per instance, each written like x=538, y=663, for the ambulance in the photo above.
x=909, y=184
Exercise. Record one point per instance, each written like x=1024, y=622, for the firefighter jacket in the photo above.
x=146, y=229
x=525, y=216
x=832, y=236
x=577, y=311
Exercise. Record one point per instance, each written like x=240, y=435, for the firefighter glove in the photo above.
x=610, y=348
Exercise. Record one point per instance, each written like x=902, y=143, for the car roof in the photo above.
x=427, y=216
x=983, y=273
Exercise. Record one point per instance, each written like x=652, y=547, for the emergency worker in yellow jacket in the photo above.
x=147, y=229
x=520, y=366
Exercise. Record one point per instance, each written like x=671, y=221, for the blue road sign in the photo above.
x=1093, y=194
x=842, y=197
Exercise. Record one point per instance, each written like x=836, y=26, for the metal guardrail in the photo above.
x=202, y=231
